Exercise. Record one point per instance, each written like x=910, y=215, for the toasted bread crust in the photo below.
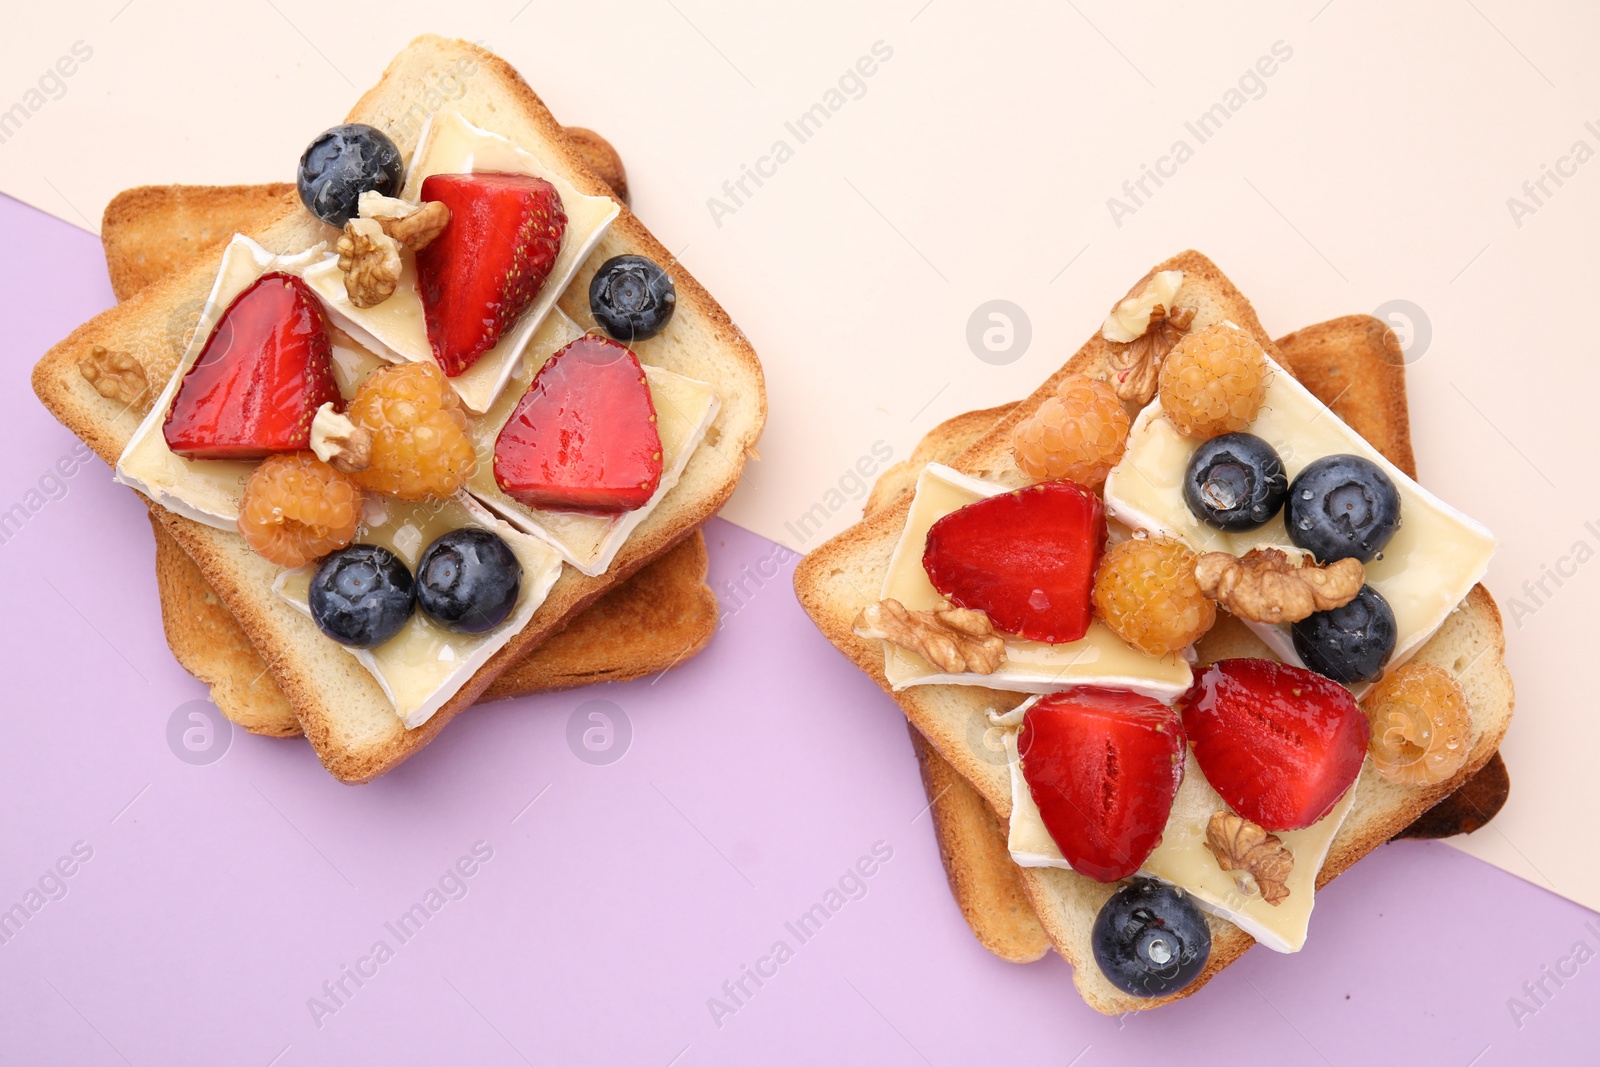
x=829, y=583
x=340, y=707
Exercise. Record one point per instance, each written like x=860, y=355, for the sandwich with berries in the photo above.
x=357, y=443
x=1197, y=643
x=1354, y=365
x=657, y=619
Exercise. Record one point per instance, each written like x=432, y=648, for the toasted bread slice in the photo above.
x=341, y=708
x=658, y=618
x=844, y=575
x=1343, y=359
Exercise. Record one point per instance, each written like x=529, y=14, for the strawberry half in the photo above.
x=490, y=262
x=1280, y=744
x=1025, y=558
x=1103, y=766
x=583, y=437
x=257, y=384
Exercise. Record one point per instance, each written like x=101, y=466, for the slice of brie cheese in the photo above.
x=1433, y=561
x=205, y=490
x=685, y=409
x=424, y=665
x=449, y=144
x=1183, y=859
x=1100, y=658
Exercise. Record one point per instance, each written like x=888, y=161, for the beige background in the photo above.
x=1375, y=164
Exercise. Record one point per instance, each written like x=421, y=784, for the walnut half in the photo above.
x=370, y=260
x=1136, y=365
x=956, y=640
x=1265, y=585
x=116, y=376
x=1241, y=845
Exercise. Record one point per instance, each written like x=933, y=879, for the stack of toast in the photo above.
x=1354, y=365
x=270, y=667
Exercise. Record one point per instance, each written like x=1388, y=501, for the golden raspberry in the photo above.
x=1213, y=382
x=1146, y=592
x=1079, y=433
x=1421, y=725
x=296, y=508
x=419, y=432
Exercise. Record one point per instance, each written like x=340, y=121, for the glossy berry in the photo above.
x=341, y=164
x=1342, y=507
x=1102, y=766
x=1278, y=743
x=1348, y=644
x=362, y=595
x=1078, y=434
x=295, y=508
x=1145, y=591
x=1235, y=482
x=1024, y=558
x=632, y=298
x=490, y=263
x=467, y=580
x=1150, y=939
x=1214, y=381
x=420, y=446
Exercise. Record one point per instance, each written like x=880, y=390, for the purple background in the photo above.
x=219, y=898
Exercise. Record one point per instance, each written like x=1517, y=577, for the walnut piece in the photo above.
x=1265, y=585
x=340, y=443
x=956, y=640
x=116, y=376
x=1131, y=317
x=413, y=225
x=370, y=260
x=417, y=230
x=1241, y=845
x=1136, y=365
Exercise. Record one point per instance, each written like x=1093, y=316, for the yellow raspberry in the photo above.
x=1077, y=434
x=1421, y=725
x=1213, y=382
x=1145, y=591
x=296, y=509
x=420, y=446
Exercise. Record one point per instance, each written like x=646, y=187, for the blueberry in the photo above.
x=467, y=581
x=341, y=164
x=362, y=595
x=1342, y=507
x=631, y=298
x=1235, y=482
x=1150, y=939
x=1348, y=644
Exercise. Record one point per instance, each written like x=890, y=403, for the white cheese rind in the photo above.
x=205, y=490
x=1433, y=561
x=1099, y=659
x=423, y=666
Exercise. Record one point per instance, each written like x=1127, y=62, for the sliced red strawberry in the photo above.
x=583, y=437
x=1103, y=766
x=1026, y=559
x=1280, y=744
x=490, y=262
x=257, y=384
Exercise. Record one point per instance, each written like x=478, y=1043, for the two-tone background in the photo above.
x=912, y=208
